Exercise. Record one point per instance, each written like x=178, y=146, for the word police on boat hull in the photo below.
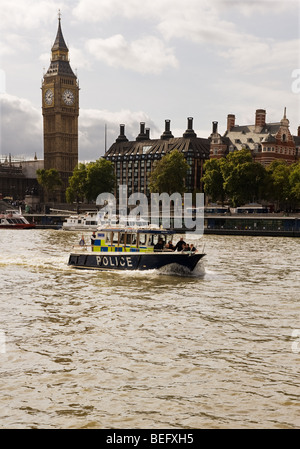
x=114, y=261
x=121, y=262
x=133, y=261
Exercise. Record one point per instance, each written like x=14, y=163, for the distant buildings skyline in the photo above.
x=147, y=64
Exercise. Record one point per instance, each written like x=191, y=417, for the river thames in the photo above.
x=150, y=350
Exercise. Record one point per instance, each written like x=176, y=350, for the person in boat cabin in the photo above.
x=179, y=245
x=159, y=245
x=169, y=246
x=93, y=238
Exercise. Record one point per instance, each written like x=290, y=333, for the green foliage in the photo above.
x=100, y=178
x=88, y=181
x=244, y=182
x=49, y=179
x=213, y=180
x=236, y=177
x=279, y=185
x=77, y=184
x=294, y=180
x=169, y=174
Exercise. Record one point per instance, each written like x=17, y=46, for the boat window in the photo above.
x=133, y=239
x=155, y=238
x=143, y=239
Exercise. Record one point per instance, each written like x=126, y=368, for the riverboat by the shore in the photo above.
x=91, y=221
x=13, y=219
x=132, y=249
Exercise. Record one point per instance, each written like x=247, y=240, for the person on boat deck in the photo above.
x=192, y=248
x=82, y=242
x=159, y=245
x=93, y=238
x=170, y=245
x=179, y=245
x=186, y=247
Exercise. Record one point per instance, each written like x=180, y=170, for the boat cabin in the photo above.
x=130, y=240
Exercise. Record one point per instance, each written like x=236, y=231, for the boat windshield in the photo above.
x=138, y=238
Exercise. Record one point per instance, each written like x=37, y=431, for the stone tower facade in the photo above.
x=60, y=106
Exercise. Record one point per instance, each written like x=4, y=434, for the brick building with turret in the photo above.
x=266, y=141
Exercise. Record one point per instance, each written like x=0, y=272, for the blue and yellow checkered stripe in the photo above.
x=101, y=246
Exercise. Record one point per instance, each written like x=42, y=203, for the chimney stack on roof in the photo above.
x=190, y=132
x=167, y=133
x=230, y=121
x=142, y=135
x=260, y=119
x=215, y=127
x=122, y=137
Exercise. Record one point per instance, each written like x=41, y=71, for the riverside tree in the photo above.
x=49, y=180
x=77, y=184
x=235, y=177
x=294, y=180
x=100, y=178
x=213, y=180
x=89, y=180
x=169, y=174
x=279, y=184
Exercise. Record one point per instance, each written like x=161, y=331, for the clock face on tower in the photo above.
x=68, y=97
x=49, y=97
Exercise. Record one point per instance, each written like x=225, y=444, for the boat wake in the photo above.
x=175, y=269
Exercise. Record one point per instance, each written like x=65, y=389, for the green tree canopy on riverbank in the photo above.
x=49, y=180
x=169, y=174
x=89, y=180
x=239, y=180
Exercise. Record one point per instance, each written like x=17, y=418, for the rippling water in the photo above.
x=86, y=349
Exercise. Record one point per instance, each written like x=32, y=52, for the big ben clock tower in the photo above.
x=60, y=93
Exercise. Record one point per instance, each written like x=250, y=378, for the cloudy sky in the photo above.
x=149, y=60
